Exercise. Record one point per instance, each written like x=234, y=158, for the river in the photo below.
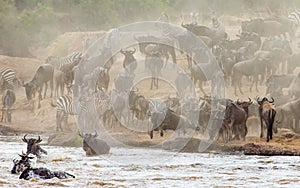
x=143, y=167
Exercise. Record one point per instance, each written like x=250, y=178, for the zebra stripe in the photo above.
x=7, y=75
x=66, y=105
x=295, y=17
x=58, y=62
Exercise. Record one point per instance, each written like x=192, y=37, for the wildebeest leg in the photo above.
x=167, y=58
x=189, y=60
x=244, y=131
x=297, y=128
x=150, y=130
x=172, y=52
x=255, y=80
x=40, y=95
x=9, y=115
x=201, y=88
x=240, y=85
x=269, y=133
x=4, y=113
x=46, y=88
x=161, y=133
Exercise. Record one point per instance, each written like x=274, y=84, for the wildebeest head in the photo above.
x=25, y=162
x=189, y=26
x=93, y=146
x=87, y=138
x=265, y=99
x=30, y=90
x=33, y=146
x=158, y=111
x=128, y=52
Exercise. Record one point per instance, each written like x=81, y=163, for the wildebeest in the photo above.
x=267, y=115
x=8, y=100
x=215, y=35
x=123, y=82
x=26, y=167
x=252, y=67
x=141, y=107
x=236, y=114
x=59, y=82
x=43, y=75
x=155, y=64
x=182, y=82
x=93, y=145
x=103, y=79
x=163, y=118
x=264, y=28
x=278, y=82
x=162, y=44
x=33, y=146
x=129, y=63
x=43, y=173
x=119, y=104
x=23, y=163
x=288, y=112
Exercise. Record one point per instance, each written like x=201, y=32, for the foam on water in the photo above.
x=143, y=167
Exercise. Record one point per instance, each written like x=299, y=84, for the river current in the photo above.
x=144, y=167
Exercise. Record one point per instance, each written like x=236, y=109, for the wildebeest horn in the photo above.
x=272, y=100
x=182, y=25
x=95, y=134
x=24, y=138
x=238, y=101
x=250, y=101
x=39, y=140
x=133, y=51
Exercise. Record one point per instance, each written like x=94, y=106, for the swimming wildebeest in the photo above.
x=25, y=166
x=33, y=146
x=93, y=145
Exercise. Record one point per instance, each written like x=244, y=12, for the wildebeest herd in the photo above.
x=261, y=54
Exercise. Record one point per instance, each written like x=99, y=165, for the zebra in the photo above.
x=7, y=78
x=295, y=17
x=59, y=62
x=66, y=65
x=65, y=106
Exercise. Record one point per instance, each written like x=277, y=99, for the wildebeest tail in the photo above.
x=71, y=175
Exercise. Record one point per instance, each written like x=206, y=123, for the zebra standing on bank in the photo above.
x=59, y=62
x=294, y=18
x=7, y=78
x=66, y=65
x=65, y=106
